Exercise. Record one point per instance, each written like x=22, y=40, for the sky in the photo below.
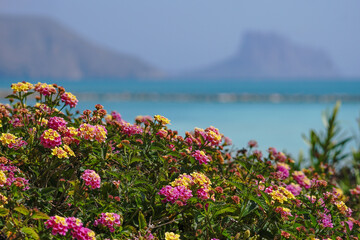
x=178, y=35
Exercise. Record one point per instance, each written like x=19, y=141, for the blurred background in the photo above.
x=262, y=70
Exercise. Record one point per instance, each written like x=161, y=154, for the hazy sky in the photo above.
x=177, y=35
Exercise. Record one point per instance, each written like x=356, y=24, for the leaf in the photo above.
x=39, y=215
x=22, y=210
x=225, y=210
x=30, y=232
x=142, y=221
x=236, y=184
x=4, y=212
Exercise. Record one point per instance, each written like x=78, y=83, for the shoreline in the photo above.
x=216, y=97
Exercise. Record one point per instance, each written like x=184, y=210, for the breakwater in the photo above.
x=214, y=97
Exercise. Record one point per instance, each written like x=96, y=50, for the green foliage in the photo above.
x=142, y=181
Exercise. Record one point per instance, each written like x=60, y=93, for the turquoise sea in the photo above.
x=271, y=123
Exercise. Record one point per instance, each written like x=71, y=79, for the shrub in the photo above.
x=96, y=176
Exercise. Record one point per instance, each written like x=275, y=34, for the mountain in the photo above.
x=39, y=47
x=268, y=55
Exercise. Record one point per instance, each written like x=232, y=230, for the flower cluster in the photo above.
x=109, y=220
x=90, y=132
x=171, y=236
x=281, y=195
x=201, y=157
x=56, y=122
x=21, y=87
x=91, y=178
x=69, y=99
x=162, y=120
x=45, y=89
x=50, y=138
x=58, y=225
x=61, y=226
x=181, y=189
x=7, y=138
x=301, y=179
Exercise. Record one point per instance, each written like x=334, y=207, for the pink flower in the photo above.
x=295, y=189
x=130, y=129
x=301, y=179
x=91, y=178
x=172, y=194
x=252, y=144
x=325, y=220
x=74, y=223
x=50, y=138
x=201, y=157
x=90, y=132
x=56, y=122
x=283, y=169
x=69, y=99
x=83, y=233
x=58, y=225
x=45, y=89
x=109, y=220
x=203, y=193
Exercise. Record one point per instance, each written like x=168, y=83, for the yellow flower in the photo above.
x=200, y=179
x=60, y=152
x=7, y=138
x=162, y=120
x=21, y=87
x=68, y=150
x=171, y=236
x=2, y=178
x=60, y=220
x=183, y=180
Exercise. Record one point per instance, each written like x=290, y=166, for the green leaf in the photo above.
x=4, y=212
x=142, y=221
x=30, y=232
x=225, y=210
x=40, y=215
x=22, y=210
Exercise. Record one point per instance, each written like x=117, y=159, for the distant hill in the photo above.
x=268, y=55
x=39, y=47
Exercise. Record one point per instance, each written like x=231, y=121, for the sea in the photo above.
x=274, y=113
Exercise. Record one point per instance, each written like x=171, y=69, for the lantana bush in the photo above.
x=92, y=175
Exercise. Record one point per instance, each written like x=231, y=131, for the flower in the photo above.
x=58, y=225
x=301, y=179
x=171, y=236
x=3, y=178
x=68, y=150
x=56, y=122
x=200, y=179
x=282, y=195
x=69, y=99
x=162, y=120
x=74, y=223
x=91, y=178
x=183, y=180
x=172, y=194
x=109, y=220
x=21, y=87
x=325, y=220
x=59, y=152
x=50, y=138
x=90, y=132
x=295, y=189
x=45, y=89
x=285, y=212
x=7, y=138
x=83, y=233
x=201, y=157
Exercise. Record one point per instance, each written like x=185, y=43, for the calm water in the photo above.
x=278, y=125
